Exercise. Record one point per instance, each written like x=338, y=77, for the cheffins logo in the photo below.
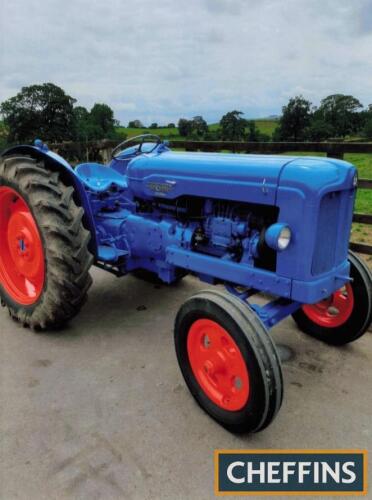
x=290, y=472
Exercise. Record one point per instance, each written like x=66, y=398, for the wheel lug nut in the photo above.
x=208, y=367
x=333, y=311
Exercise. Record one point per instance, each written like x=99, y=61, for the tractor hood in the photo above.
x=238, y=177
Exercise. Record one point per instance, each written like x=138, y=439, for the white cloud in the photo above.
x=159, y=61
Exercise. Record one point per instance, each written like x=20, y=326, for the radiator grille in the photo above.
x=326, y=235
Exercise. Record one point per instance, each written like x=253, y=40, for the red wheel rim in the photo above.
x=333, y=311
x=218, y=364
x=22, y=268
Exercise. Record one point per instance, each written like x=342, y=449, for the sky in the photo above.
x=161, y=60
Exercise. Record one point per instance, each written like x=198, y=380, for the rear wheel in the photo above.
x=346, y=314
x=228, y=361
x=44, y=256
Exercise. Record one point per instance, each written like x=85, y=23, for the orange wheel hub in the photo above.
x=218, y=364
x=22, y=268
x=333, y=311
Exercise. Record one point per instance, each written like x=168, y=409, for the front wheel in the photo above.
x=228, y=361
x=346, y=314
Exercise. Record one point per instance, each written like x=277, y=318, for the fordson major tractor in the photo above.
x=249, y=223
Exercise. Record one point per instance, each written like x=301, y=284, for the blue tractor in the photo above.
x=251, y=223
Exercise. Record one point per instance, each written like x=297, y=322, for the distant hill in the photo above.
x=272, y=117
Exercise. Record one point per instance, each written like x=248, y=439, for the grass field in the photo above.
x=265, y=126
x=362, y=233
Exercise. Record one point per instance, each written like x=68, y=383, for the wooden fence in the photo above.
x=101, y=151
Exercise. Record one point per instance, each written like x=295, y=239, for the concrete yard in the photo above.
x=100, y=410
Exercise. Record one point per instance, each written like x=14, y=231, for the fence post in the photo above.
x=105, y=151
x=335, y=151
x=335, y=154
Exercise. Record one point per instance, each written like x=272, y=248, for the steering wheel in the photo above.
x=138, y=138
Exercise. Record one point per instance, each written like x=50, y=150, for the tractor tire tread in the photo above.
x=65, y=242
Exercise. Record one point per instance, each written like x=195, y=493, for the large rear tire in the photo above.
x=44, y=256
x=344, y=316
x=228, y=361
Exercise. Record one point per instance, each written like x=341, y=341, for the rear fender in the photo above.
x=56, y=163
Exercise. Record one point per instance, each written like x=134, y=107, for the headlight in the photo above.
x=284, y=238
x=278, y=236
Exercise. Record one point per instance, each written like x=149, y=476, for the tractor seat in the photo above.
x=99, y=178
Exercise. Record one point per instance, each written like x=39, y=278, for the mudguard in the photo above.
x=58, y=164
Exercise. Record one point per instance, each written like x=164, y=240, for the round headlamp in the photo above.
x=278, y=236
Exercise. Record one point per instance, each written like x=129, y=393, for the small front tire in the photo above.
x=344, y=316
x=228, y=361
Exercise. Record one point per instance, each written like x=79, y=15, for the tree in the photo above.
x=99, y=123
x=199, y=127
x=277, y=134
x=295, y=119
x=171, y=125
x=82, y=124
x=319, y=130
x=232, y=126
x=153, y=125
x=196, y=128
x=102, y=119
x=341, y=112
x=184, y=127
x=135, y=124
x=253, y=132
x=3, y=137
x=367, y=129
x=44, y=111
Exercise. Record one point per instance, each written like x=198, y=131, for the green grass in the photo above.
x=265, y=126
x=363, y=162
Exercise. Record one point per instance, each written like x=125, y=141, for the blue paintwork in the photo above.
x=271, y=313
x=138, y=218
x=208, y=175
x=99, y=178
